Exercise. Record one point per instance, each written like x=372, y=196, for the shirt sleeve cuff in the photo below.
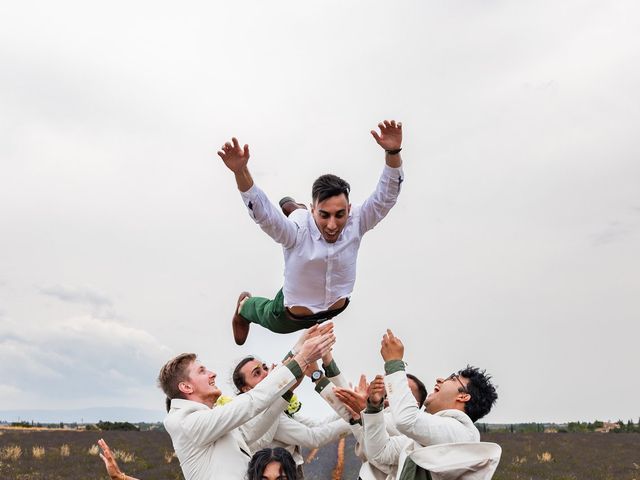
x=332, y=369
x=322, y=384
x=287, y=395
x=295, y=369
x=251, y=193
x=393, y=366
x=371, y=408
x=388, y=171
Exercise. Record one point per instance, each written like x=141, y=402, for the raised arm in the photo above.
x=236, y=159
x=263, y=212
x=376, y=207
x=423, y=427
x=390, y=138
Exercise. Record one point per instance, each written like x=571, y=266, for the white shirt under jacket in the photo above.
x=317, y=273
x=207, y=441
x=417, y=427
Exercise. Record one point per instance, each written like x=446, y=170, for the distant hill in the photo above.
x=84, y=415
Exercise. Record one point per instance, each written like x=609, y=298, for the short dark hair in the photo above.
x=327, y=186
x=237, y=377
x=421, y=388
x=172, y=373
x=264, y=457
x=482, y=391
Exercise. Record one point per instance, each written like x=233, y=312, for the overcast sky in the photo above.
x=515, y=245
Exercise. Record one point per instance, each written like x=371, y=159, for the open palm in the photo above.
x=390, y=136
x=234, y=156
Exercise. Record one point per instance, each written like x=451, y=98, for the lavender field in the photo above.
x=28, y=454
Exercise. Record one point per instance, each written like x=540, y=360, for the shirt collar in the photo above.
x=315, y=231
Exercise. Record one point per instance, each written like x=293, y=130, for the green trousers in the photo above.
x=273, y=315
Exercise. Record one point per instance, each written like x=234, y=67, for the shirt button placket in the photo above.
x=328, y=286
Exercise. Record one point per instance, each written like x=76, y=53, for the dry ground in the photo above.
x=536, y=456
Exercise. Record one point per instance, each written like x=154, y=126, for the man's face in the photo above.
x=201, y=384
x=446, y=394
x=254, y=372
x=331, y=216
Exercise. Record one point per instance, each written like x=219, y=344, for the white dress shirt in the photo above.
x=207, y=441
x=316, y=273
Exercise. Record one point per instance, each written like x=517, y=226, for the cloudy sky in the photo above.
x=515, y=245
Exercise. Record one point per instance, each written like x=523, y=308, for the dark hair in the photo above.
x=264, y=457
x=172, y=373
x=237, y=377
x=421, y=388
x=482, y=391
x=327, y=186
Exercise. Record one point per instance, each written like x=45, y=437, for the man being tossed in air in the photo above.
x=320, y=246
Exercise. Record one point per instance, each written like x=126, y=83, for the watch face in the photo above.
x=315, y=376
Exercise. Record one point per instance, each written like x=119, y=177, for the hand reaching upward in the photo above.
x=233, y=156
x=236, y=158
x=390, y=136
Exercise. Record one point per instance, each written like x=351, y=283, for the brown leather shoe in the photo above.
x=239, y=324
x=288, y=205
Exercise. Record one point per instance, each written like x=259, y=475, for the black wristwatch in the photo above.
x=316, y=375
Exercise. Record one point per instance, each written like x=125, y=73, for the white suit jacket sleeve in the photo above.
x=264, y=423
x=379, y=446
x=315, y=422
x=292, y=432
x=424, y=428
x=271, y=220
x=205, y=426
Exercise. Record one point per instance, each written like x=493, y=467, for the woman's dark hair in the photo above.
x=482, y=391
x=421, y=389
x=237, y=377
x=328, y=186
x=264, y=457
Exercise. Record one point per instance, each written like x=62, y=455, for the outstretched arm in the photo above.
x=110, y=463
x=265, y=214
x=376, y=207
x=236, y=159
x=390, y=138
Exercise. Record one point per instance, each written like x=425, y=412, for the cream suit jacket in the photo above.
x=207, y=441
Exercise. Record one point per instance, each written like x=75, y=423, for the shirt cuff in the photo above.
x=393, y=366
x=295, y=369
x=332, y=369
x=287, y=395
x=371, y=408
x=321, y=384
x=388, y=171
x=251, y=193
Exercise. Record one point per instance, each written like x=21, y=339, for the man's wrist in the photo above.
x=373, y=407
x=393, y=366
x=394, y=151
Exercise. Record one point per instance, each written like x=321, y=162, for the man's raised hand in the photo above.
x=314, y=348
x=376, y=391
x=392, y=348
x=390, y=136
x=234, y=156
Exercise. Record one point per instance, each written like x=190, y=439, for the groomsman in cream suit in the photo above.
x=456, y=402
x=206, y=437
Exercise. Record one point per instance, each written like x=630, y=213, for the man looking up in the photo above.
x=320, y=246
x=456, y=402
x=205, y=437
